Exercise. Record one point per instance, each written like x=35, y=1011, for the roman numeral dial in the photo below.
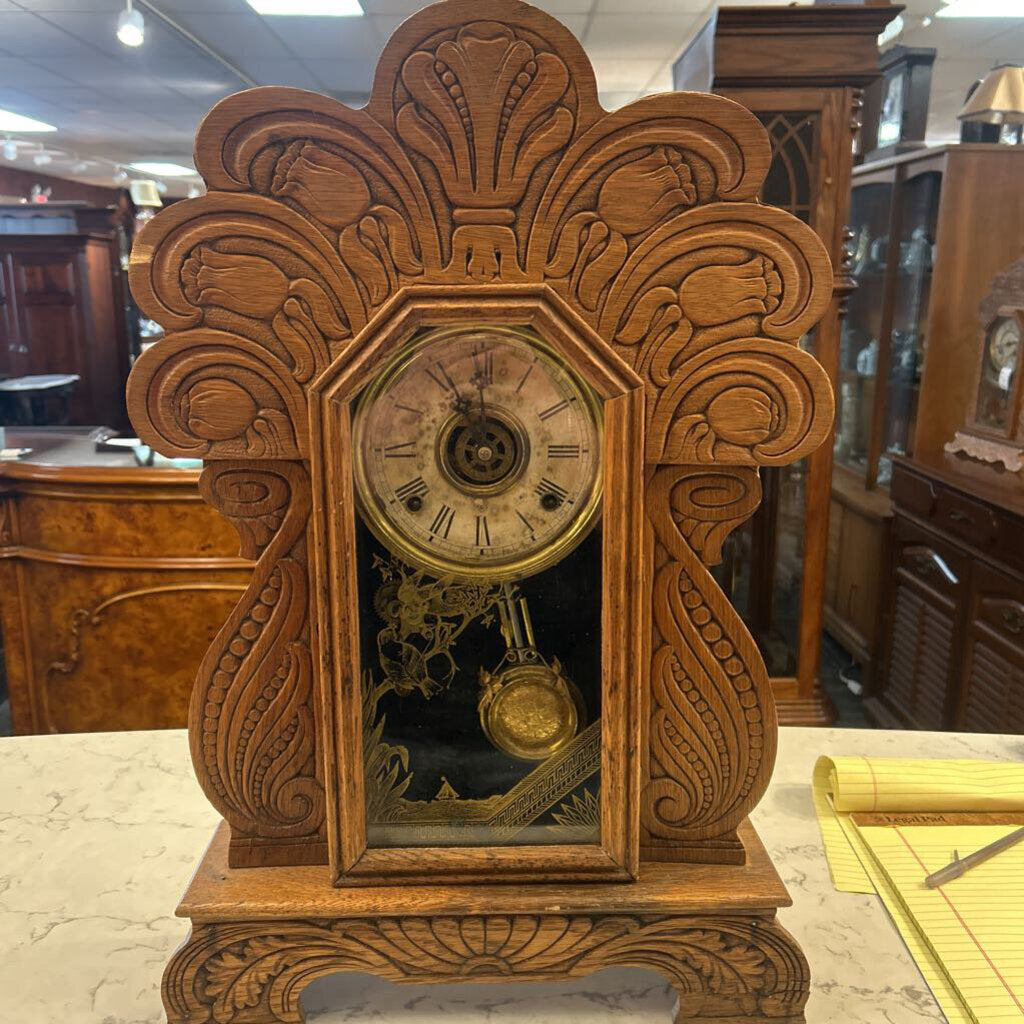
x=477, y=454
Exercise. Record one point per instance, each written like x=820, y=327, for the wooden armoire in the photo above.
x=482, y=367
x=62, y=304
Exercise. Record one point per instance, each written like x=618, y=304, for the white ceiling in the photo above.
x=60, y=62
x=967, y=48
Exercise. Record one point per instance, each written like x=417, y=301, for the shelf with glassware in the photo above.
x=913, y=217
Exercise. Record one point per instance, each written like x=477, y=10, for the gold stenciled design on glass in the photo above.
x=478, y=454
x=423, y=618
x=528, y=708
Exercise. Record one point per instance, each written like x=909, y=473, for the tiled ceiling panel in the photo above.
x=60, y=62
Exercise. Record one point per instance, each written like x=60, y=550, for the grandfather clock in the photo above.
x=483, y=375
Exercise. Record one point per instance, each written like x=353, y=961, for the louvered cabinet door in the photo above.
x=926, y=605
x=993, y=697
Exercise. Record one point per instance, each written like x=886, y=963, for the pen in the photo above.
x=958, y=865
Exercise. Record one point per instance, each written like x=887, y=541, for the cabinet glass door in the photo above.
x=862, y=327
x=917, y=213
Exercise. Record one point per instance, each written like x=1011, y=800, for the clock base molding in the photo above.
x=997, y=453
x=261, y=935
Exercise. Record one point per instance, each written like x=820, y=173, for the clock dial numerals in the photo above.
x=415, y=488
x=483, y=534
x=478, y=454
x=442, y=524
x=401, y=450
x=564, y=451
x=554, y=410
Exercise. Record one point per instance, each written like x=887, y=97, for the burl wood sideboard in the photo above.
x=114, y=579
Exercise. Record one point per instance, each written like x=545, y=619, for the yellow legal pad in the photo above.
x=846, y=784
x=974, y=925
x=967, y=937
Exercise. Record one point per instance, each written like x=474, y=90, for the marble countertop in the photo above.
x=99, y=834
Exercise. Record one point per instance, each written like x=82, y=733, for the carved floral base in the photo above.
x=724, y=968
x=261, y=935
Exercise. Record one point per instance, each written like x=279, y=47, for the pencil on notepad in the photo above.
x=958, y=865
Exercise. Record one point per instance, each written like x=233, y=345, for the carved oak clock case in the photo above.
x=483, y=375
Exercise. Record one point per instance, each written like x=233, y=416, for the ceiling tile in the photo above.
x=638, y=35
x=88, y=6
x=30, y=36
x=560, y=7
x=325, y=38
x=346, y=75
x=281, y=72
x=238, y=36
x=24, y=74
x=615, y=75
x=175, y=7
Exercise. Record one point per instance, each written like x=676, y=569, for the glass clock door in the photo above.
x=478, y=478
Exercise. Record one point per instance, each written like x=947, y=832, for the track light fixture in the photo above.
x=131, y=28
x=41, y=159
x=10, y=149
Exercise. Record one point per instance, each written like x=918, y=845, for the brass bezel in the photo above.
x=395, y=541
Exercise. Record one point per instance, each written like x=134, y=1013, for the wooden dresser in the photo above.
x=114, y=579
x=953, y=632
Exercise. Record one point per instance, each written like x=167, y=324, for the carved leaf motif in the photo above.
x=728, y=966
x=215, y=395
x=251, y=721
x=712, y=718
x=484, y=161
x=706, y=503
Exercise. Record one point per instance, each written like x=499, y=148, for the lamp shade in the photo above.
x=999, y=99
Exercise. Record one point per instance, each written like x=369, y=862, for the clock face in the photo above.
x=1004, y=343
x=478, y=454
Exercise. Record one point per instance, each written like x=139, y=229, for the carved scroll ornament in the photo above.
x=720, y=966
x=483, y=156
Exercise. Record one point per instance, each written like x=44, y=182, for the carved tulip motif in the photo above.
x=718, y=294
x=218, y=409
x=250, y=285
x=324, y=184
x=637, y=195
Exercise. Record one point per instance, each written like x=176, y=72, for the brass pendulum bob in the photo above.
x=528, y=708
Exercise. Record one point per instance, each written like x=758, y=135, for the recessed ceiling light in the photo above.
x=312, y=8
x=980, y=9
x=164, y=170
x=11, y=122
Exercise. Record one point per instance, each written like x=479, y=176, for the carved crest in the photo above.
x=483, y=158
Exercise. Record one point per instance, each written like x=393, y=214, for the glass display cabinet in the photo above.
x=929, y=230
x=893, y=218
x=781, y=64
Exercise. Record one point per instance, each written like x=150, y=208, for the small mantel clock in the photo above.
x=994, y=425
x=483, y=375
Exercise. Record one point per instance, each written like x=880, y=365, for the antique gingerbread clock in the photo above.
x=994, y=429
x=483, y=375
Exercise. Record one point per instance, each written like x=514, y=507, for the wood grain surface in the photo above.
x=484, y=181
x=640, y=224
